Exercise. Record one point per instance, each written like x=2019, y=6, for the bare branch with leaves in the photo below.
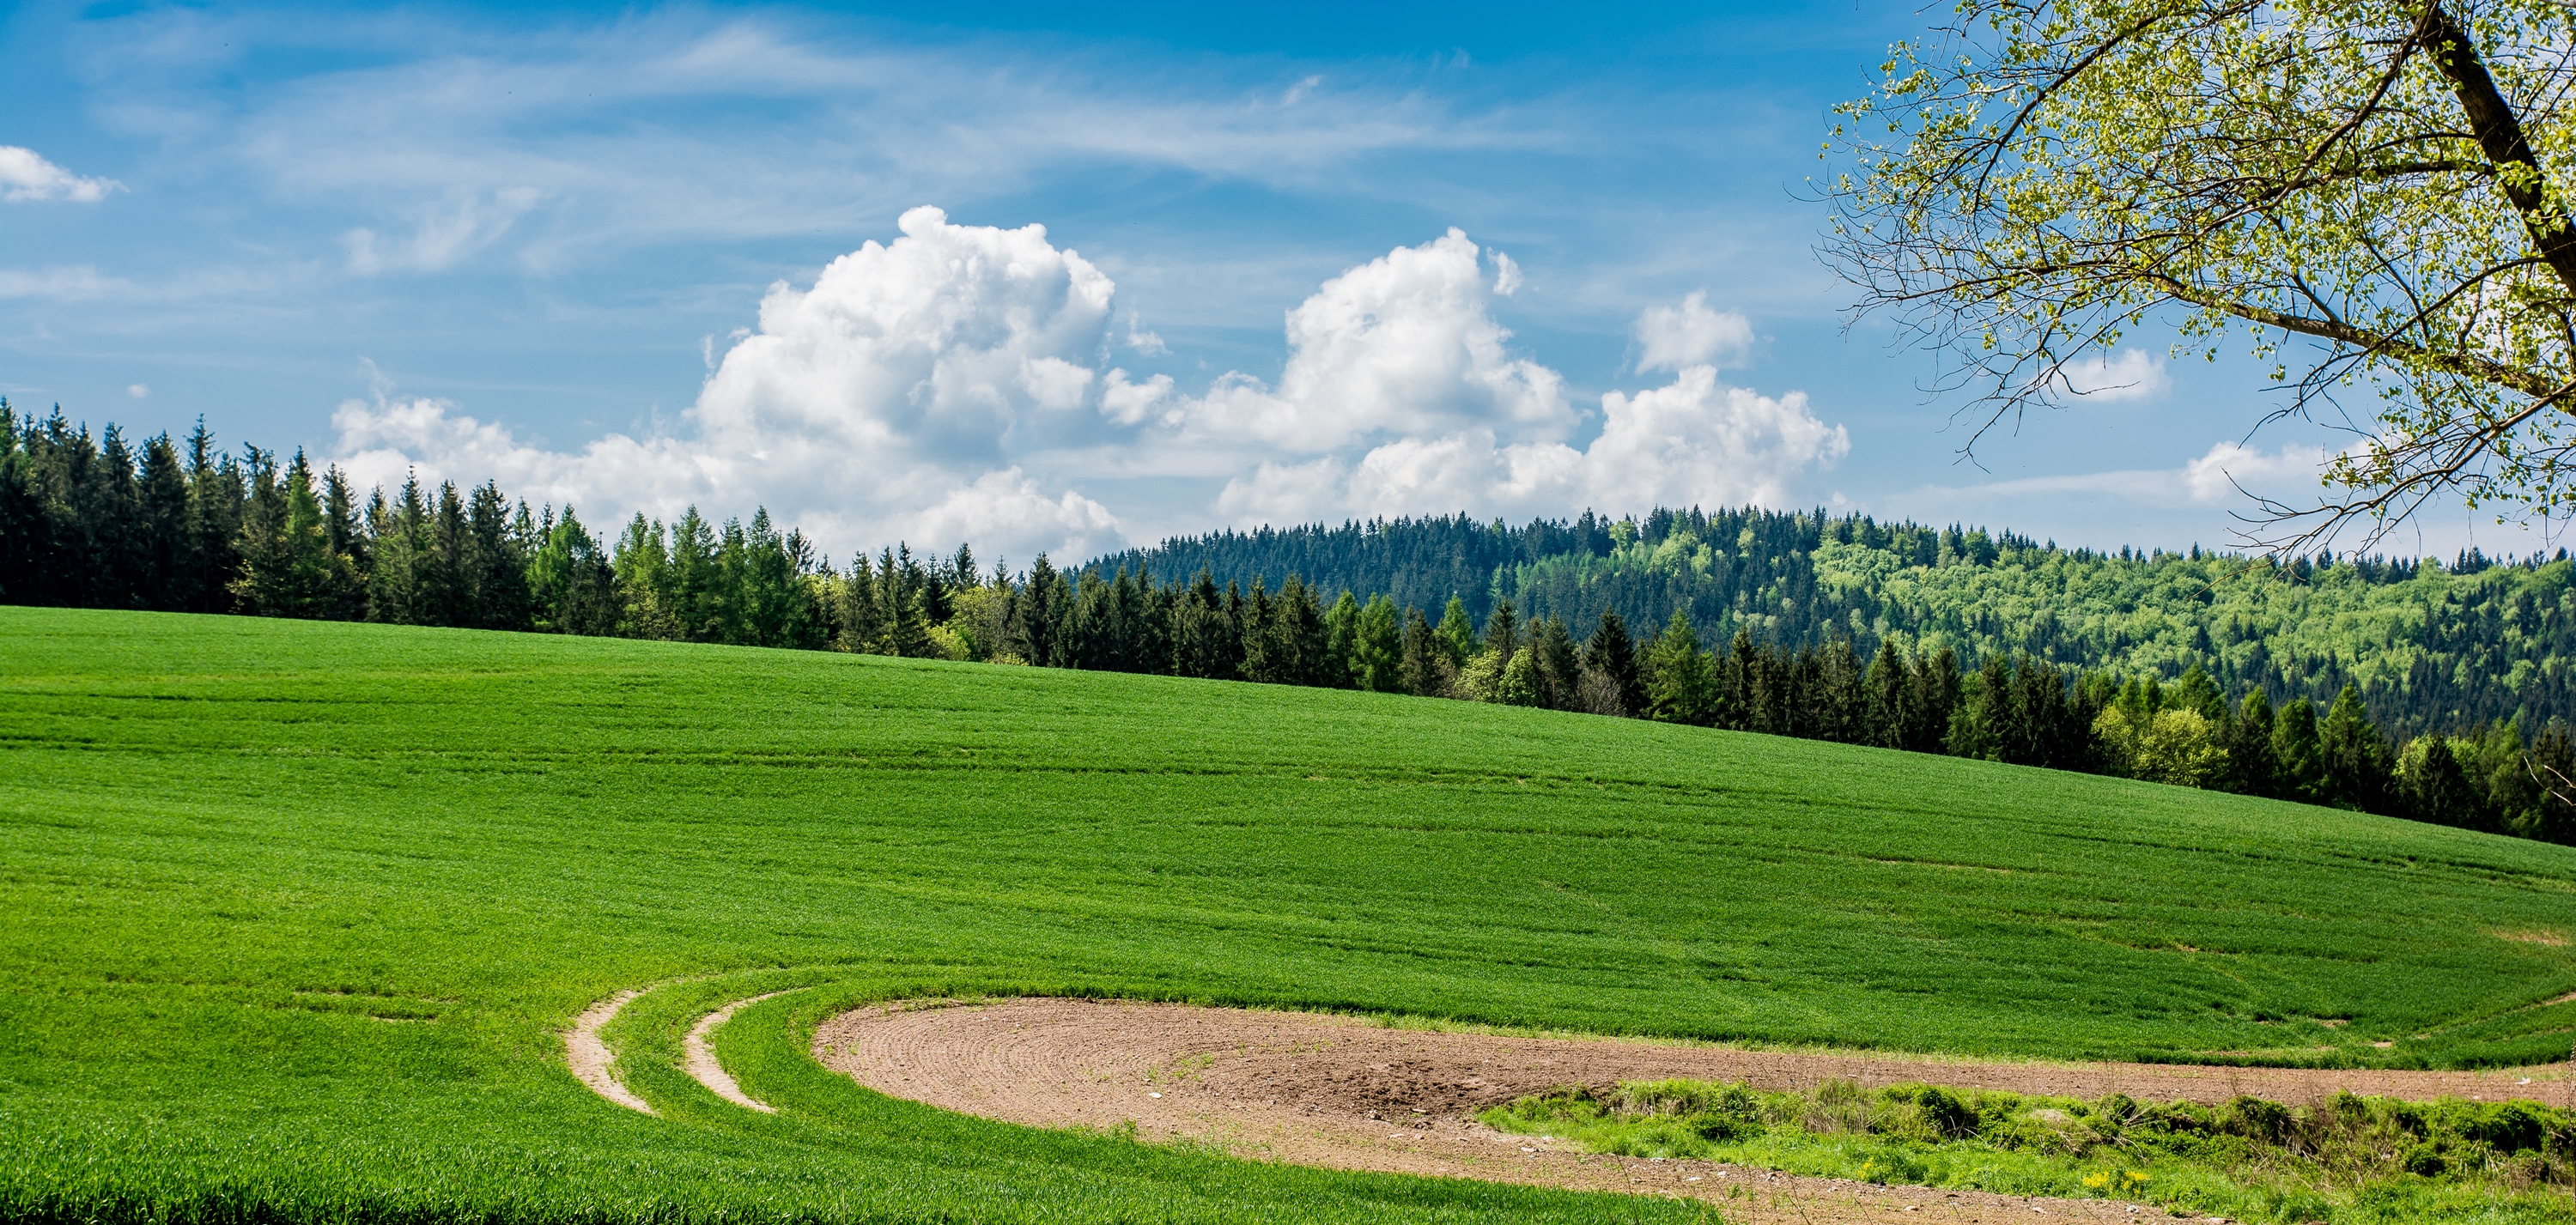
x=2380, y=190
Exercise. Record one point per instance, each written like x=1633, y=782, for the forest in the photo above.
x=2426, y=691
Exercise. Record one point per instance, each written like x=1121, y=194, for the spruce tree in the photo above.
x=398, y=540
x=1327, y=641
x=1738, y=682
x=1612, y=653
x=1201, y=631
x=2552, y=769
x=495, y=570
x=1677, y=688
x=642, y=567
x=1503, y=631
x=1427, y=670
x=1377, y=648
x=162, y=536
x=1839, y=708
x=1458, y=633
x=2356, y=756
x=1885, y=696
x=1555, y=665
x=1033, y=630
x=2252, y=766
x=2298, y=755
x=217, y=495
x=2436, y=789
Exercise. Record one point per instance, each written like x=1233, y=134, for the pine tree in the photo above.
x=288, y=567
x=1677, y=688
x=446, y=574
x=1885, y=698
x=340, y=524
x=1377, y=648
x=1201, y=632
x=2298, y=756
x=1839, y=709
x=1034, y=630
x=1315, y=646
x=1503, y=631
x=495, y=570
x=1738, y=682
x=644, y=581
x=697, y=595
x=399, y=540
x=2436, y=789
x=1458, y=633
x=2356, y=756
x=217, y=498
x=1612, y=654
x=1554, y=662
x=1330, y=641
x=162, y=537
x=1427, y=670
x=2551, y=767
x=2252, y=767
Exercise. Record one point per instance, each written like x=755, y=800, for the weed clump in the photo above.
x=2349, y=1158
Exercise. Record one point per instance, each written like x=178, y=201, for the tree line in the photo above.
x=2431, y=645
x=182, y=526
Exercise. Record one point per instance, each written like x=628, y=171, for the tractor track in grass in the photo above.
x=1347, y=1093
x=700, y=1059
x=589, y=1057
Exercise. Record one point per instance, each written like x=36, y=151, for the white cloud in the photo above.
x=1401, y=345
x=1671, y=337
x=2224, y=476
x=137, y=390
x=948, y=386
x=1695, y=442
x=2134, y=374
x=2217, y=477
x=461, y=223
x=71, y=284
x=1143, y=341
x=880, y=404
x=25, y=177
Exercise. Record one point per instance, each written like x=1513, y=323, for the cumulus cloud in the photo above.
x=1402, y=345
x=1695, y=442
x=1671, y=337
x=25, y=177
x=882, y=403
x=949, y=386
x=2133, y=374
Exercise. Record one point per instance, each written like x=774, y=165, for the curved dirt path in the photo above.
x=589, y=1057
x=1346, y=1093
x=701, y=1060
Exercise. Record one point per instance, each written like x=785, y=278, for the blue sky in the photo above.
x=620, y=257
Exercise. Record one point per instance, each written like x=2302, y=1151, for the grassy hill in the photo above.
x=294, y=911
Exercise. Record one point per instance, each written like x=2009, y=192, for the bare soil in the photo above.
x=699, y=1060
x=1351, y=1094
x=589, y=1057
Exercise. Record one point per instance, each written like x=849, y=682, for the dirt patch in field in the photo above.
x=1339, y=1092
x=589, y=1057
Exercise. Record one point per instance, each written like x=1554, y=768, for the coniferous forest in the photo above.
x=2423, y=690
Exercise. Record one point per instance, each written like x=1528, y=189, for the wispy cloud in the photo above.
x=25, y=177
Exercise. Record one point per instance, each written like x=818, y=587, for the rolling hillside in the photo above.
x=297, y=909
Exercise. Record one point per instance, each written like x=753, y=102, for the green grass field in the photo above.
x=295, y=911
